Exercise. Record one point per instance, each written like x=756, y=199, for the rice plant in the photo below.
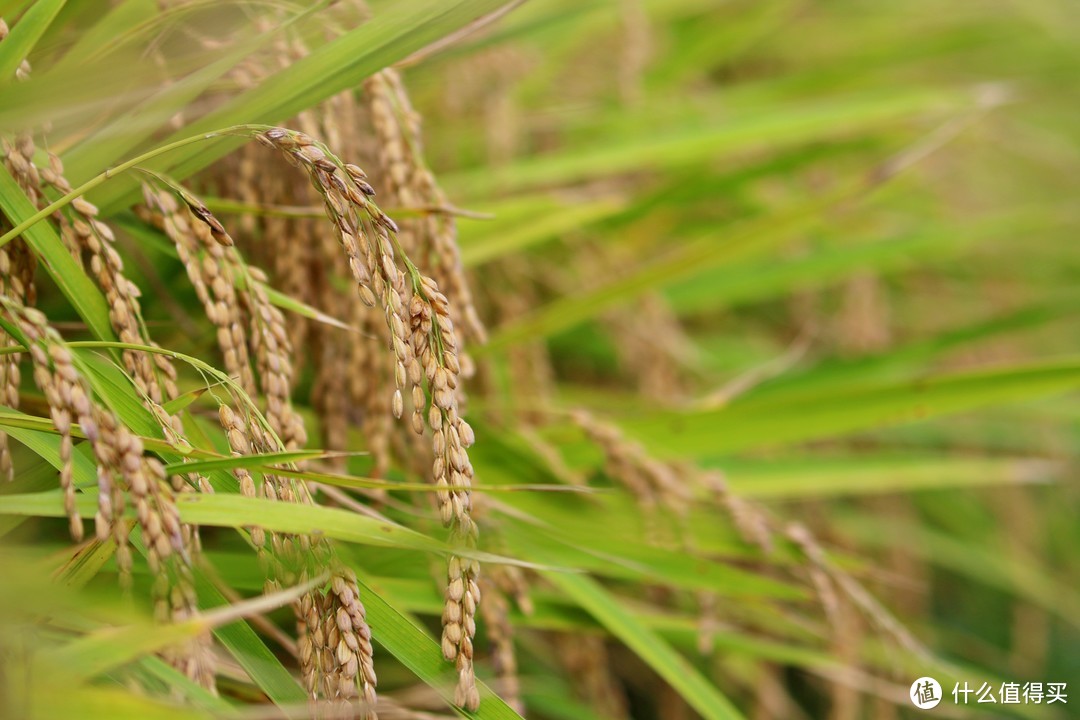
x=618, y=360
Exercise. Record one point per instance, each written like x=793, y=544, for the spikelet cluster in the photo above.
x=69, y=402
x=153, y=374
x=372, y=370
x=335, y=647
x=124, y=473
x=432, y=342
x=395, y=305
x=403, y=308
x=203, y=258
x=82, y=232
x=273, y=359
x=304, y=258
x=459, y=626
x=335, y=657
x=240, y=446
x=362, y=231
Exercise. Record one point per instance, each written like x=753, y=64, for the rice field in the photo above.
x=603, y=360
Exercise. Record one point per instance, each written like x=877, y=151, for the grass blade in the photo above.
x=25, y=35
x=791, y=417
x=344, y=63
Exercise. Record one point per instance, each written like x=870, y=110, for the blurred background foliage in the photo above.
x=823, y=249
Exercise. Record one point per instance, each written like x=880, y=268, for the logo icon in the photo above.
x=925, y=693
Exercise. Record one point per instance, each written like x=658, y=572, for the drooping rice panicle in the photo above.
x=125, y=474
x=341, y=673
x=432, y=238
x=591, y=672
x=424, y=347
x=17, y=282
x=497, y=586
x=203, y=258
x=653, y=482
x=153, y=374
